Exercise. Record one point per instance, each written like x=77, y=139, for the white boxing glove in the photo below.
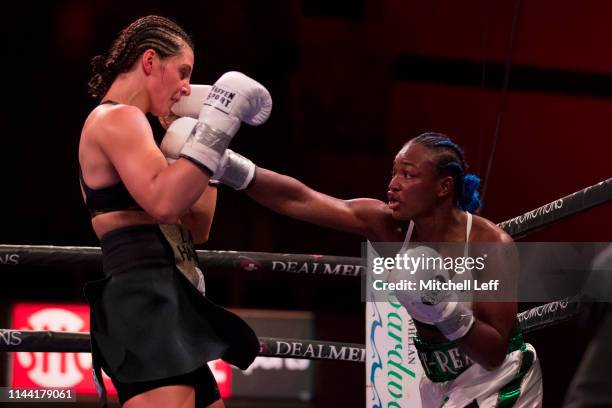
x=176, y=136
x=440, y=308
x=240, y=98
x=235, y=171
x=232, y=99
x=191, y=105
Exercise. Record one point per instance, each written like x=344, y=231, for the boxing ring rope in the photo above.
x=71, y=342
x=529, y=320
x=552, y=212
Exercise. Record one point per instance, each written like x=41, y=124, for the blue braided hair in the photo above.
x=451, y=160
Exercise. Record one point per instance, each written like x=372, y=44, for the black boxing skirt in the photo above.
x=148, y=321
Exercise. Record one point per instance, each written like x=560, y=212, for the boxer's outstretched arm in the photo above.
x=288, y=196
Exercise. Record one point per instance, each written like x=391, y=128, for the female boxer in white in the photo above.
x=152, y=331
x=430, y=192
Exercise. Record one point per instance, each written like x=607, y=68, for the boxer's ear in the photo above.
x=446, y=186
x=147, y=60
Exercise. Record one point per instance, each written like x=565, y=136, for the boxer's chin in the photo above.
x=161, y=111
x=398, y=216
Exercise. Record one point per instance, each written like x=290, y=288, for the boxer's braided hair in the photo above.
x=150, y=32
x=451, y=161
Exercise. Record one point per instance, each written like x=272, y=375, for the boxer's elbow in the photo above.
x=200, y=238
x=199, y=232
x=165, y=214
x=167, y=218
x=490, y=353
x=493, y=360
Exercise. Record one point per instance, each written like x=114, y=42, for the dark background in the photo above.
x=351, y=82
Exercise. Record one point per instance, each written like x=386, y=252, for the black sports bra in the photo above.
x=107, y=199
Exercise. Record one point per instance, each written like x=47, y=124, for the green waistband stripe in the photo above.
x=510, y=393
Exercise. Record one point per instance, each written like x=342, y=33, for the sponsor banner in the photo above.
x=274, y=377
x=69, y=370
x=267, y=377
x=49, y=370
x=393, y=370
x=223, y=375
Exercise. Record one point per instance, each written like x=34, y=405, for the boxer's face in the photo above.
x=413, y=186
x=170, y=81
